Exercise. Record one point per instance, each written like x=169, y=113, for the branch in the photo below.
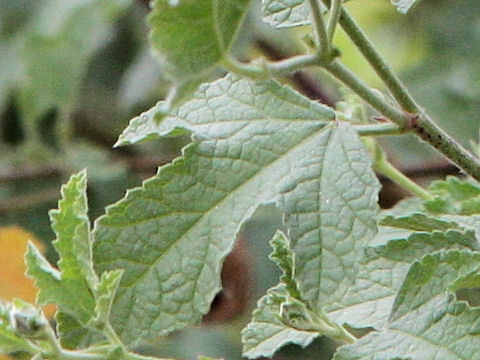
x=335, y=11
x=319, y=27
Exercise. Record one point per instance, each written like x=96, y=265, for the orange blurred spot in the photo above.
x=13, y=282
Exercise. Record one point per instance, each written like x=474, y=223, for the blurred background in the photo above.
x=73, y=73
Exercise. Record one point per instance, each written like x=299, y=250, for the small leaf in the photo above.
x=419, y=222
x=382, y=271
x=105, y=294
x=192, y=36
x=72, y=286
x=266, y=333
x=72, y=227
x=286, y=13
x=10, y=339
x=427, y=322
x=283, y=257
x=404, y=6
x=75, y=335
x=454, y=196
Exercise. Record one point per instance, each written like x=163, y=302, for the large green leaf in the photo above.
x=254, y=143
x=193, y=36
x=228, y=105
x=427, y=322
x=382, y=272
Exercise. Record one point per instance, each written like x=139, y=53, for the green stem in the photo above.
x=384, y=167
x=63, y=127
x=378, y=129
x=429, y=131
x=422, y=125
x=319, y=27
x=112, y=335
x=335, y=11
x=370, y=96
x=265, y=70
x=367, y=49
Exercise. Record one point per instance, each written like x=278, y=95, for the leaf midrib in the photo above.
x=214, y=207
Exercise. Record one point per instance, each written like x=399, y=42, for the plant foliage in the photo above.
x=151, y=264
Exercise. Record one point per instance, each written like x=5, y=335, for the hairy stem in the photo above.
x=378, y=129
x=335, y=11
x=319, y=27
x=264, y=70
x=367, y=49
x=426, y=129
x=370, y=96
x=384, y=167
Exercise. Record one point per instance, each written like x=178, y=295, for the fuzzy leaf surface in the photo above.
x=382, y=272
x=427, y=322
x=67, y=286
x=70, y=286
x=454, y=196
x=254, y=143
x=286, y=13
x=193, y=36
x=419, y=222
x=267, y=333
x=283, y=257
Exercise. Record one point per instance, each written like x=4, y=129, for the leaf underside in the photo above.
x=427, y=322
x=254, y=143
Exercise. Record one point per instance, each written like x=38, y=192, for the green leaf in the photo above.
x=74, y=334
x=73, y=243
x=427, y=322
x=71, y=286
x=254, y=143
x=55, y=53
x=283, y=257
x=10, y=339
x=404, y=6
x=382, y=271
x=454, y=196
x=419, y=222
x=331, y=218
x=192, y=36
x=106, y=290
x=267, y=333
x=286, y=13
x=471, y=222
x=224, y=106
